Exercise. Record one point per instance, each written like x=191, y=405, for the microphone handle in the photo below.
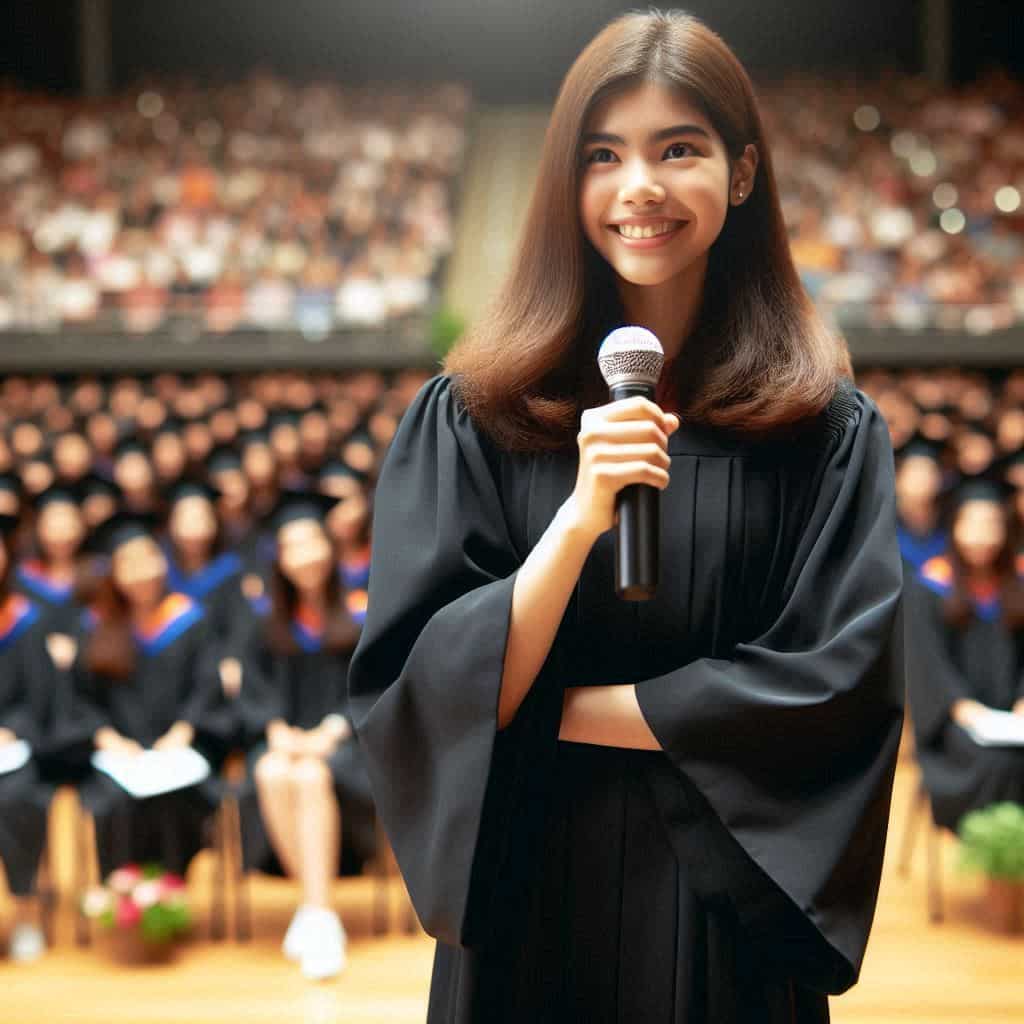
x=637, y=527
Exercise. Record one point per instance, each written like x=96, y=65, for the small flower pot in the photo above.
x=128, y=947
x=1004, y=905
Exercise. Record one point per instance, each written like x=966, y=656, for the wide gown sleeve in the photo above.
x=457, y=797
x=791, y=739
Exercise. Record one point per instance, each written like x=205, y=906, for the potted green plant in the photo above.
x=992, y=841
x=142, y=910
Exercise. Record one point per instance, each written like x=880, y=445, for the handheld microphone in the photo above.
x=631, y=360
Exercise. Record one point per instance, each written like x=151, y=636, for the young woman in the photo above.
x=27, y=699
x=668, y=810
x=966, y=655
x=920, y=478
x=309, y=775
x=199, y=566
x=49, y=576
x=146, y=676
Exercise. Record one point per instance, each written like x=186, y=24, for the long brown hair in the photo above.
x=958, y=608
x=761, y=357
x=341, y=633
x=110, y=649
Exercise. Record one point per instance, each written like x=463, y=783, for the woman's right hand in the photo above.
x=113, y=742
x=621, y=443
x=965, y=711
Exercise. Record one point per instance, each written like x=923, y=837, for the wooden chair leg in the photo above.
x=219, y=875
x=243, y=909
x=935, y=912
x=85, y=851
x=46, y=893
x=918, y=803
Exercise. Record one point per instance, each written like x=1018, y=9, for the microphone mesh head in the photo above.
x=631, y=355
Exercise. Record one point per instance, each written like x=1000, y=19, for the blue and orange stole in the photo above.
x=17, y=614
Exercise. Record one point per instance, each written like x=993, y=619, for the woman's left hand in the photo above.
x=1018, y=708
x=178, y=736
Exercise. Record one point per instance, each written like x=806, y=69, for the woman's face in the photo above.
x=642, y=169
x=979, y=533
x=60, y=528
x=139, y=570
x=304, y=554
x=193, y=524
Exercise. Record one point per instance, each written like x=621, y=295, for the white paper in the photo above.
x=153, y=771
x=997, y=729
x=14, y=756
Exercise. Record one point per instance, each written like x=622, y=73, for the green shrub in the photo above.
x=992, y=841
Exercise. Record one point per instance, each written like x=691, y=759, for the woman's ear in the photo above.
x=744, y=173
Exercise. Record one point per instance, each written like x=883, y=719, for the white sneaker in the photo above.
x=325, y=953
x=293, y=938
x=27, y=943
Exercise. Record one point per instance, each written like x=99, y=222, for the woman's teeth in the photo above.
x=648, y=231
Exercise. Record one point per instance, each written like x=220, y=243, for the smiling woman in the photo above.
x=667, y=811
x=655, y=123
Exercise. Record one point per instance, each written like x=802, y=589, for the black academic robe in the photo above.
x=731, y=876
x=55, y=601
x=215, y=587
x=982, y=661
x=302, y=688
x=175, y=679
x=27, y=692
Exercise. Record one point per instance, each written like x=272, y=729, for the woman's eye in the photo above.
x=675, y=151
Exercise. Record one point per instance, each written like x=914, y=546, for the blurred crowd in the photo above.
x=185, y=563
x=260, y=204
x=904, y=201
x=269, y=205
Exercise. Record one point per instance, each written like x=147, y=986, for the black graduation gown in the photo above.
x=55, y=601
x=175, y=679
x=984, y=661
x=215, y=587
x=302, y=688
x=26, y=708
x=731, y=876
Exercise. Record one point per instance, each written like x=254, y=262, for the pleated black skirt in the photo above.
x=611, y=931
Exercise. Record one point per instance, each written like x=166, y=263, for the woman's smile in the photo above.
x=649, y=237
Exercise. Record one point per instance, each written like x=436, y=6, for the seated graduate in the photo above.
x=25, y=692
x=919, y=481
x=311, y=787
x=199, y=565
x=50, y=574
x=348, y=524
x=146, y=673
x=224, y=469
x=965, y=654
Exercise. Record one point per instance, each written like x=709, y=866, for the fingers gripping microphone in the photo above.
x=631, y=359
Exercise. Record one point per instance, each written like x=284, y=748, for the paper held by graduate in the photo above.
x=153, y=771
x=14, y=756
x=997, y=729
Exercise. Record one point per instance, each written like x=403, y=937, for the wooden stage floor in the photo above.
x=915, y=972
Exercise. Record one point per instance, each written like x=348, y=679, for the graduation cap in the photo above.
x=339, y=468
x=130, y=445
x=191, y=488
x=980, y=487
x=11, y=489
x=919, y=445
x=253, y=437
x=120, y=528
x=8, y=524
x=1007, y=462
x=170, y=425
x=57, y=494
x=94, y=485
x=223, y=459
x=293, y=506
